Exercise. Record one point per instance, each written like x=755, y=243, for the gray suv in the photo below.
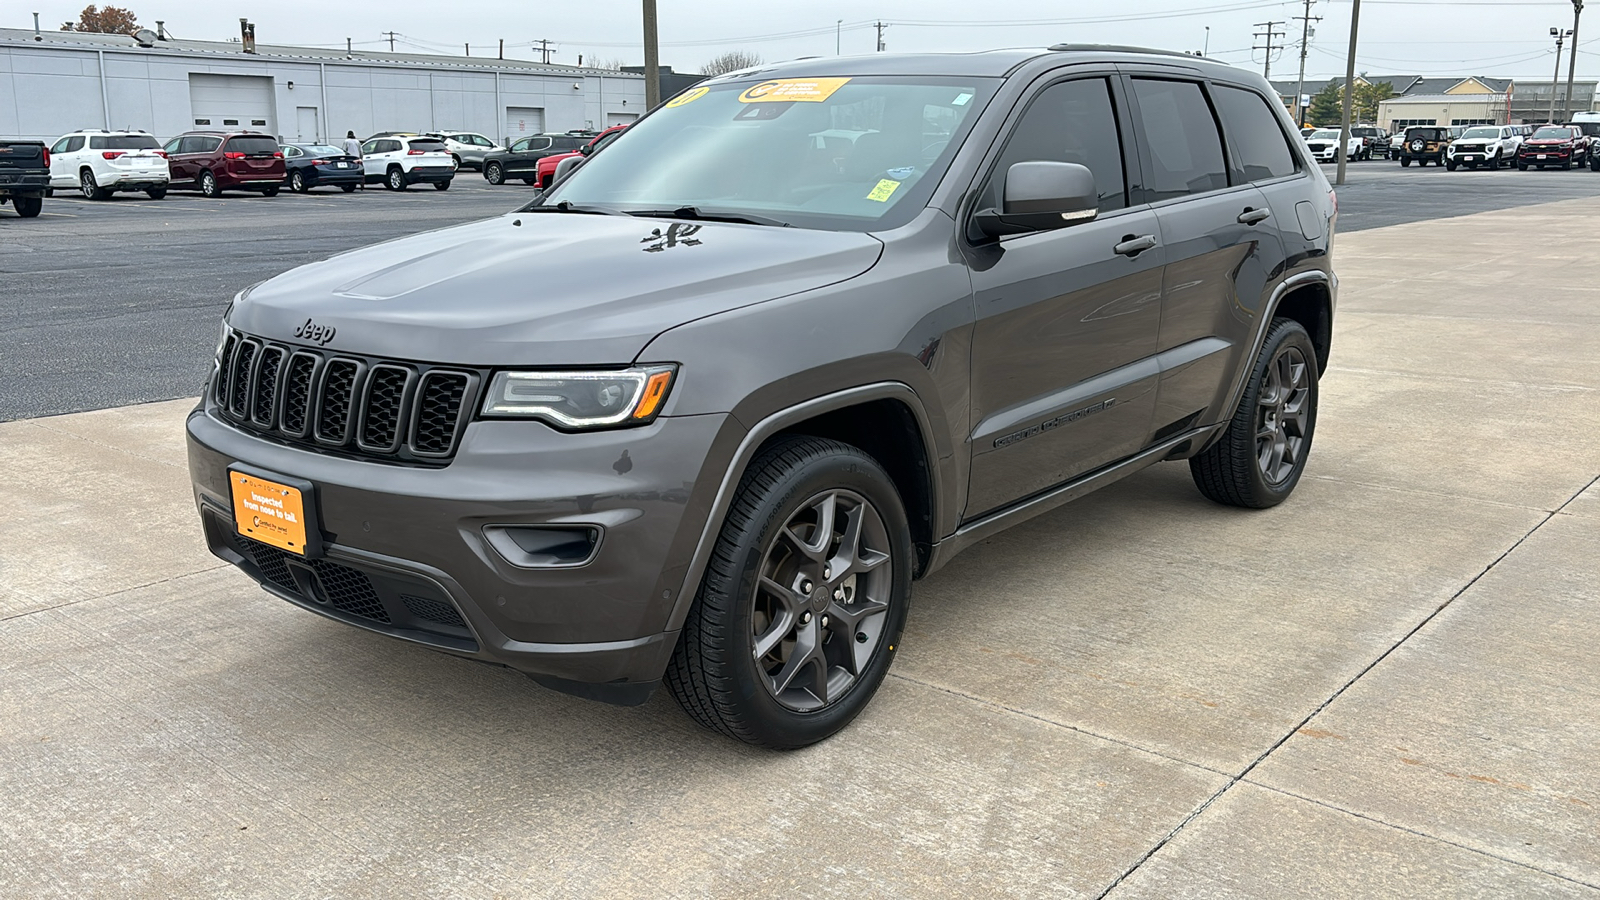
x=704, y=411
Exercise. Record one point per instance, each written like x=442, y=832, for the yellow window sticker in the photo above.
x=687, y=97
x=883, y=191
x=789, y=90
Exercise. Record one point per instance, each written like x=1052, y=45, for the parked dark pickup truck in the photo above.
x=24, y=175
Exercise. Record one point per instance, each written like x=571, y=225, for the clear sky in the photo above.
x=1443, y=37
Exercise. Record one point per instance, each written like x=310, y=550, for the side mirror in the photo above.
x=586, y=149
x=565, y=166
x=1041, y=196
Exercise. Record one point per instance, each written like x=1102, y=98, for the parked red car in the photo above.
x=1554, y=145
x=547, y=166
x=216, y=161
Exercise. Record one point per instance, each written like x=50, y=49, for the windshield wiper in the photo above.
x=567, y=206
x=696, y=214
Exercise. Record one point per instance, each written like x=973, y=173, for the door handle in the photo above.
x=1252, y=216
x=1133, y=246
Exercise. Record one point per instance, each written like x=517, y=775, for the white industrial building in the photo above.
x=53, y=82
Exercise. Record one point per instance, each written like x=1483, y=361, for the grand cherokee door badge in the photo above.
x=1057, y=422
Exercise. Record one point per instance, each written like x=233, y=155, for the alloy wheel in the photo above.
x=1281, y=417
x=821, y=600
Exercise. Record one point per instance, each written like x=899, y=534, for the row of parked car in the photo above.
x=1470, y=146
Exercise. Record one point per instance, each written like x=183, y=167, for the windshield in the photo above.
x=1481, y=133
x=1326, y=134
x=831, y=153
x=1549, y=133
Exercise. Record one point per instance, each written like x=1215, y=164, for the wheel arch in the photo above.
x=1310, y=304
x=855, y=416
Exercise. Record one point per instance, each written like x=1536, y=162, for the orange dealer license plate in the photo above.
x=272, y=512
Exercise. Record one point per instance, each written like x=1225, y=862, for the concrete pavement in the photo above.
x=1385, y=687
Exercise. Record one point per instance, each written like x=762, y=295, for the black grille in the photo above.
x=385, y=401
x=430, y=610
x=439, y=412
x=267, y=385
x=297, y=393
x=349, y=591
x=273, y=564
x=338, y=392
x=371, y=408
x=239, y=383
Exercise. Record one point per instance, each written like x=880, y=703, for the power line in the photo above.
x=390, y=35
x=544, y=50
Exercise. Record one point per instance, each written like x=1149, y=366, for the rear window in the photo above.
x=323, y=150
x=1256, y=134
x=569, y=143
x=428, y=145
x=1427, y=134
x=123, y=142
x=253, y=146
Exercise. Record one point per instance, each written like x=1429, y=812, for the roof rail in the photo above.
x=1122, y=48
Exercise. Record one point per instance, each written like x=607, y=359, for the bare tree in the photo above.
x=104, y=20
x=731, y=61
x=609, y=64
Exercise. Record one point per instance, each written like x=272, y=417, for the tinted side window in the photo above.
x=75, y=144
x=1068, y=122
x=1255, y=134
x=1180, y=137
x=205, y=144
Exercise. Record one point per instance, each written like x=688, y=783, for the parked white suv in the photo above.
x=468, y=147
x=1324, y=145
x=99, y=163
x=1492, y=146
x=397, y=162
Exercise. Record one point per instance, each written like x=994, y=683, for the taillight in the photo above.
x=160, y=153
x=233, y=154
x=319, y=162
x=277, y=154
x=47, y=157
x=415, y=152
x=1334, y=196
x=113, y=154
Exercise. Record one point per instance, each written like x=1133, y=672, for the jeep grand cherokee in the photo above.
x=704, y=411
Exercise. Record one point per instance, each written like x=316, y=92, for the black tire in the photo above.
x=494, y=173
x=297, y=182
x=156, y=193
x=91, y=188
x=1566, y=164
x=1451, y=165
x=28, y=206
x=1231, y=470
x=532, y=181
x=208, y=185
x=715, y=674
x=1594, y=164
x=457, y=159
x=442, y=185
x=348, y=188
x=1522, y=166
x=269, y=191
x=1405, y=161
x=395, y=180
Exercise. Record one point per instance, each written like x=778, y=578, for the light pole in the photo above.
x=1349, y=91
x=1572, y=65
x=652, y=58
x=1555, y=79
x=1206, y=51
x=838, y=33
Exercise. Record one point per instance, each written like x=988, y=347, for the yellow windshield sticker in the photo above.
x=883, y=191
x=687, y=97
x=789, y=90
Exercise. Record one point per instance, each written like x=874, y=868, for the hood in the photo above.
x=1551, y=142
x=544, y=288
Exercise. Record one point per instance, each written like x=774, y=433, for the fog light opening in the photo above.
x=544, y=546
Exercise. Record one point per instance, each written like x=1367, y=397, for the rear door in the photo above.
x=1063, y=369
x=1220, y=234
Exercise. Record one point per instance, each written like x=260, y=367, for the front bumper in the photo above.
x=424, y=570
x=1541, y=157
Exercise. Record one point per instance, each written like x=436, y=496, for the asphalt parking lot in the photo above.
x=1384, y=687
x=117, y=302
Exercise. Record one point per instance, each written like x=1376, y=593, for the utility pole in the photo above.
x=652, y=58
x=502, y=48
x=390, y=36
x=545, y=50
x=1349, y=92
x=880, y=26
x=838, y=35
x=1572, y=67
x=1560, y=37
x=1271, y=33
x=1206, y=50
x=1305, y=39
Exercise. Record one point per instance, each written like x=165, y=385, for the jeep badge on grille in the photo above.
x=316, y=334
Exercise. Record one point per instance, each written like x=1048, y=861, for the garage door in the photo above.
x=522, y=121
x=620, y=119
x=224, y=102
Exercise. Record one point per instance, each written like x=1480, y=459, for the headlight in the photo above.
x=581, y=399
